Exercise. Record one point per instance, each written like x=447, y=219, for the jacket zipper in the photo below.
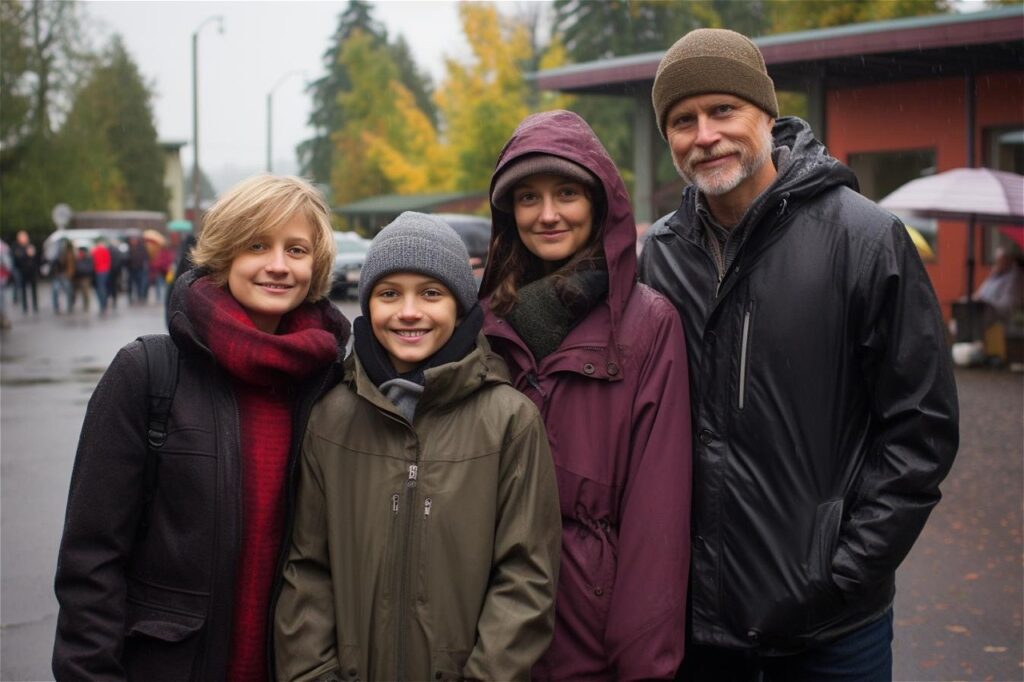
x=428, y=504
x=743, y=360
x=403, y=577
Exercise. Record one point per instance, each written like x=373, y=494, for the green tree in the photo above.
x=483, y=100
x=366, y=105
x=115, y=106
x=415, y=81
x=802, y=15
x=44, y=52
x=15, y=98
x=327, y=116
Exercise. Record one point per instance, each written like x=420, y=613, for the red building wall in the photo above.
x=928, y=115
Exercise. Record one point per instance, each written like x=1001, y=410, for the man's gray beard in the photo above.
x=748, y=166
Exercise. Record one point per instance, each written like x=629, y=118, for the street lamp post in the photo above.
x=270, y=116
x=195, y=116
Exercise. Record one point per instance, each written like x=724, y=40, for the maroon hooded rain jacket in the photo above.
x=615, y=402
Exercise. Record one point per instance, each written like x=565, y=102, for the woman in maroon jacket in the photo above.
x=604, y=359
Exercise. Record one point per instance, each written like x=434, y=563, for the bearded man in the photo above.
x=823, y=402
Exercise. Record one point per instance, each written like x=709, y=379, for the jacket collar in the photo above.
x=444, y=385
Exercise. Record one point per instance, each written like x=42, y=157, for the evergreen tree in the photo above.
x=43, y=54
x=415, y=81
x=315, y=155
x=15, y=99
x=115, y=104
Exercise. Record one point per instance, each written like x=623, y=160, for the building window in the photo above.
x=881, y=173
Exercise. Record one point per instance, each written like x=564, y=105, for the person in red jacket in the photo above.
x=604, y=359
x=101, y=263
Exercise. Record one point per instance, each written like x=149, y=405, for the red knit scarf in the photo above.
x=264, y=369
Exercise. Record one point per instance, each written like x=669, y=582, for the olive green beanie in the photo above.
x=712, y=60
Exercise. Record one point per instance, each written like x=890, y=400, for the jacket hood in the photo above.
x=566, y=135
x=445, y=384
x=811, y=170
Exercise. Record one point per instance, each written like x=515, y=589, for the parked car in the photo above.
x=348, y=263
x=475, y=232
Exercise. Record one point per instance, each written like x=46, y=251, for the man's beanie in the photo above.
x=534, y=164
x=416, y=242
x=712, y=60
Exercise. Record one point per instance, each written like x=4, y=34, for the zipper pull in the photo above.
x=394, y=503
x=427, y=504
x=413, y=472
x=718, y=287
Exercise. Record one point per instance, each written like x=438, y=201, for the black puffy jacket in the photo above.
x=823, y=402
x=156, y=603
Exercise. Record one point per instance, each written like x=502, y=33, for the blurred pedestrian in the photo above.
x=6, y=267
x=159, y=267
x=101, y=262
x=1003, y=289
x=26, y=263
x=138, y=270
x=169, y=556
x=604, y=360
x=84, y=274
x=820, y=379
x=63, y=272
x=118, y=267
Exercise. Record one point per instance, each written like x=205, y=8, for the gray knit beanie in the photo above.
x=417, y=242
x=534, y=164
x=712, y=60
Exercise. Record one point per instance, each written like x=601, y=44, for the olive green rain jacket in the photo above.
x=427, y=550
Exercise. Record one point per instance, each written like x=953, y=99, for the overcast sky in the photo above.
x=262, y=43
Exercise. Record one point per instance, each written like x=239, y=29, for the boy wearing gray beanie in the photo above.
x=426, y=492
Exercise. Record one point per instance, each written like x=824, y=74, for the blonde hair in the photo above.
x=256, y=206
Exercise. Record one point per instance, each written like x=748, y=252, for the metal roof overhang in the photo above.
x=397, y=203
x=856, y=54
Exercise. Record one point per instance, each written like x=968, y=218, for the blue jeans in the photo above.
x=101, y=289
x=61, y=287
x=864, y=655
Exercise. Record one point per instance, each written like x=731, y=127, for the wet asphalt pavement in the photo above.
x=958, y=613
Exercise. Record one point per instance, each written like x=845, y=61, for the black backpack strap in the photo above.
x=162, y=379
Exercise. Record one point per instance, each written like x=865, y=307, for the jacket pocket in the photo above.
x=824, y=600
x=161, y=644
x=827, y=519
x=447, y=665
x=390, y=546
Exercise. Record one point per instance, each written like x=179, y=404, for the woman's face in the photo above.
x=554, y=217
x=271, y=276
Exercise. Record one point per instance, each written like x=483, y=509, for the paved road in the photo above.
x=958, y=609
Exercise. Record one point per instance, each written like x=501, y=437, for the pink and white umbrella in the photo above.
x=969, y=194
x=963, y=194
